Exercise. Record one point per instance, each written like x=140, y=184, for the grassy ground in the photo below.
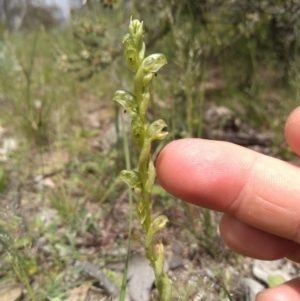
x=60, y=197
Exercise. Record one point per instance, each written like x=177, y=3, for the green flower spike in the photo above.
x=144, y=133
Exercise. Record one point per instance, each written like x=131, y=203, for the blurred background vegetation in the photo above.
x=61, y=146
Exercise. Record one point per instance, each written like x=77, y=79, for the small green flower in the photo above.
x=158, y=224
x=132, y=59
x=149, y=66
x=127, y=100
x=133, y=179
x=154, y=62
x=155, y=131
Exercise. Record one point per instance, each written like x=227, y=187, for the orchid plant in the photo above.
x=144, y=133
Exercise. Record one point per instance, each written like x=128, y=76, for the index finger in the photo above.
x=261, y=191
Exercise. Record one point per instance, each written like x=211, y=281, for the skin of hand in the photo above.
x=259, y=196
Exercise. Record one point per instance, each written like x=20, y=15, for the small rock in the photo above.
x=41, y=183
x=3, y=155
x=10, y=291
x=264, y=270
x=9, y=144
x=251, y=288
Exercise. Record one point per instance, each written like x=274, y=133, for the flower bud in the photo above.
x=141, y=211
x=132, y=59
x=159, y=260
x=136, y=30
x=138, y=131
x=145, y=103
x=151, y=177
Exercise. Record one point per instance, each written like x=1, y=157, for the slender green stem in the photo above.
x=128, y=166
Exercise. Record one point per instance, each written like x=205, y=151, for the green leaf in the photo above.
x=23, y=242
x=274, y=280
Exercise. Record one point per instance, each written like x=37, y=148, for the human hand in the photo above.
x=259, y=196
